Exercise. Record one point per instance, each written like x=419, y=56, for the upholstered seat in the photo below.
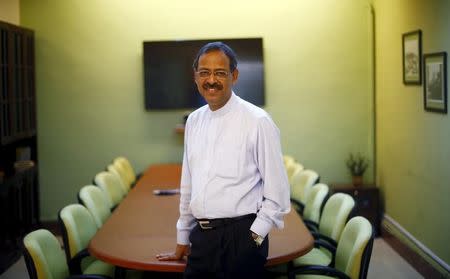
x=78, y=227
x=130, y=173
x=112, y=186
x=332, y=221
x=45, y=259
x=119, y=173
x=351, y=257
x=96, y=201
x=302, y=182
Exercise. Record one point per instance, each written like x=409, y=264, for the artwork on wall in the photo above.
x=412, y=53
x=435, y=82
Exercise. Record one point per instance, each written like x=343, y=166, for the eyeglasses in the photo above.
x=217, y=74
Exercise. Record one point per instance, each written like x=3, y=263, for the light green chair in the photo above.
x=78, y=227
x=130, y=173
x=112, y=186
x=45, y=259
x=335, y=214
x=287, y=159
x=314, y=204
x=301, y=185
x=96, y=201
x=119, y=173
x=350, y=259
x=294, y=170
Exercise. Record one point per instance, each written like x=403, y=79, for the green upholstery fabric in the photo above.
x=354, y=239
x=46, y=253
x=287, y=159
x=80, y=227
x=350, y=249
x=131, y=174
x=314, y=257
x=112, y=187
x=99, y=267
x=95, y=200
x=335, y=215
x=302, y=183
x=314, y=203
x=332, y=222
x=293, y=171
x=120, y=175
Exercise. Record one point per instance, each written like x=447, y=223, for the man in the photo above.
x=234, y=186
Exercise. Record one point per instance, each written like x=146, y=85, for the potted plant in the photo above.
x=357, y=165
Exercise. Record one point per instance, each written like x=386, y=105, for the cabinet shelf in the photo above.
x=19, y=190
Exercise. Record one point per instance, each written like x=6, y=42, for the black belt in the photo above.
x=208, y=224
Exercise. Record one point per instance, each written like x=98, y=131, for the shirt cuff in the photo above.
x=183, y=237
x=261, y=227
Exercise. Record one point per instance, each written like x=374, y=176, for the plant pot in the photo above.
x=357, y=180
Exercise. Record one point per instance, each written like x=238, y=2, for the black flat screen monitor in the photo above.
x=169, y=79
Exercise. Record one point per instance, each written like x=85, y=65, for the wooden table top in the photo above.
x=144, y=225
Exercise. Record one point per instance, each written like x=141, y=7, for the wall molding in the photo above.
x=393, y=228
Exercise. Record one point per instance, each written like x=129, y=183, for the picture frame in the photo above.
x=435, y=82
x=412, y=57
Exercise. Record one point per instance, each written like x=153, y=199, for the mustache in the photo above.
x=214, y=85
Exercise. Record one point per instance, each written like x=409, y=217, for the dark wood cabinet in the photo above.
x=19, y=188
x=367, y=199
x=17, y=92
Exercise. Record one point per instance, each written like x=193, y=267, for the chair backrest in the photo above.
x=314, y=203
x=131, y=174
x=302, y=183
x=335, y=214
x=109, y=183
x=354, y=248
x=43, y=256
x=287, y=159
x=96, y=201
x=295, y=169
x=78, y=227
x=119, y=172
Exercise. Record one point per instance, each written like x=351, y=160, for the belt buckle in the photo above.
x=204, y=225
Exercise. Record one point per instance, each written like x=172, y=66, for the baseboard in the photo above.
x=413, y=251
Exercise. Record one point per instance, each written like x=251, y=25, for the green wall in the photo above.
x=9, y=11
x=413, y=146
x=89, y=77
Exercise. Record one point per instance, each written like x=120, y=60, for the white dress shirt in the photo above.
x=232, y=166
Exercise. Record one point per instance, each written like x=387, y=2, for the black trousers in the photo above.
x=227, y=251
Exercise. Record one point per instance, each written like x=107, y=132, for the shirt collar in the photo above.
x=226, y=108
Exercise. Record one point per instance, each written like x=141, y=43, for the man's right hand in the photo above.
x=180, y=252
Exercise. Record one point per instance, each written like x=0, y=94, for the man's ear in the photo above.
x=235, y=75
x=194, y=77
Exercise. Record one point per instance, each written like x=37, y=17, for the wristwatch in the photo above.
x=258, y=239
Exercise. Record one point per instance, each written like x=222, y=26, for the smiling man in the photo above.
x=234, y=187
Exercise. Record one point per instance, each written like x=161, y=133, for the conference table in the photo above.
x=144, y=224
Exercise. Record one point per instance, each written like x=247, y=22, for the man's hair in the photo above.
x=217, y=46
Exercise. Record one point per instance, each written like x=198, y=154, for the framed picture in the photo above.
x=412, y=56
x=435, y=82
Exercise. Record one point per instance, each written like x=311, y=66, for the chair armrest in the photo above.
x=299, y=206
x=75, y=262
x=312, y=226
x=332, y=249
x=318, y=235
x=318, y=270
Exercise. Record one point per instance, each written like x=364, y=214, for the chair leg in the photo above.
x=120, y=272
x=290, y=267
